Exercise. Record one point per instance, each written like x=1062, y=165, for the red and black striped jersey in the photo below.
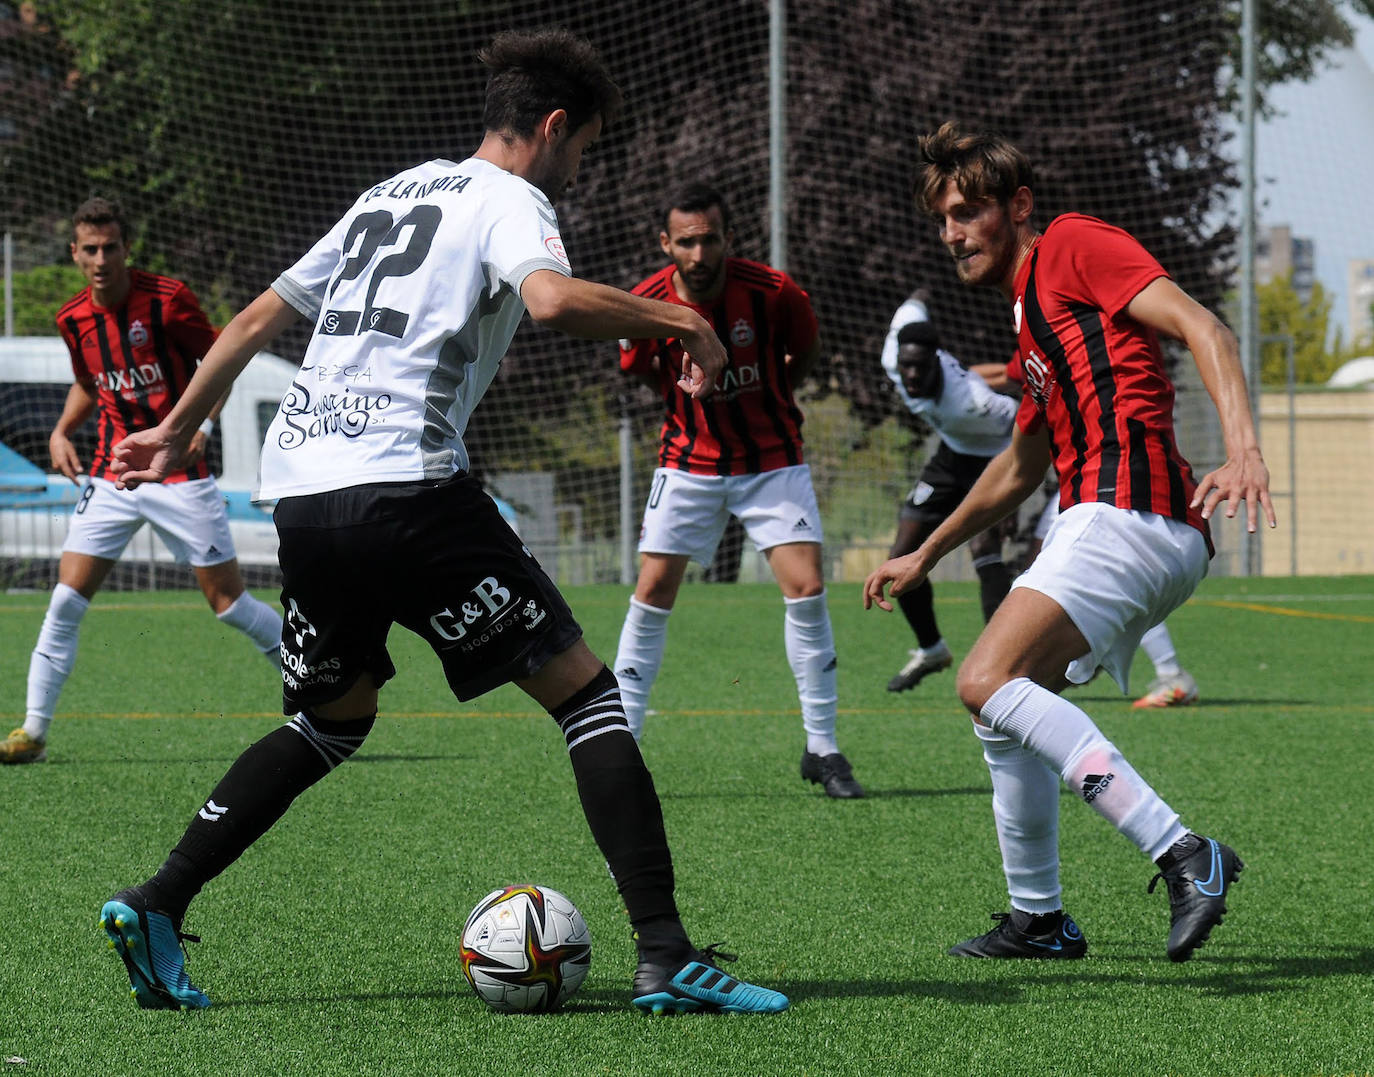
x=1094, y=375
x=139, y=356
x=751, y=423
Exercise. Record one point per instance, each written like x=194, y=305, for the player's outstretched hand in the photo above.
x=703, y=358
x=901, y=572
x=145, y=456
x=1245, y=479
x=200, y=443
x=64, y=456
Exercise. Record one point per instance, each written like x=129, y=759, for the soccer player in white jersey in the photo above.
x=972, y=415
x=414, y=296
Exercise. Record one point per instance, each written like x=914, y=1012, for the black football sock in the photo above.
x=994, y=581
x=919, y=608
x=253, y=795
x=624, y=815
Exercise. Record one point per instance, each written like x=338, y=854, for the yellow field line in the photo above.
x=952, y=710
x=723, y=712
x=40, y=602
x=100, y=606
x=1283, y=611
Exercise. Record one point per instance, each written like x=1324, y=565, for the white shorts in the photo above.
x=1047, y=516
x=687, y=514
x=1117, y=573
x=189, y=517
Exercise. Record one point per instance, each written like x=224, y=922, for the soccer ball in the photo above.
x=525, y=949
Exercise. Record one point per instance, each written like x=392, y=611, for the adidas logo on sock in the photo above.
x=212, y=812
x=629, y=673
x=831, y=665
x=1094, y=785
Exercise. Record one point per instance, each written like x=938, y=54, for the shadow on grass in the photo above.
x=1229, y=975
x=1253, y=974
x=1088, y=703
x=401, y=757
x=287, y=1000
x=869, y=793
x=961, y=791
x=584, y=1002
x=227, y=759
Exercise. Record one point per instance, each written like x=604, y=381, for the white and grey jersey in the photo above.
x=415, y=296
x=969, y=417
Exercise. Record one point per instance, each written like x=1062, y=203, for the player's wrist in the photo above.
x=207, y=427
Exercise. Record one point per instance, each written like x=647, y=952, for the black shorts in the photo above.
x=943, y=483
x=434, y=557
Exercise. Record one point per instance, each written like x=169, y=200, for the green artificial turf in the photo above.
x=332, y=946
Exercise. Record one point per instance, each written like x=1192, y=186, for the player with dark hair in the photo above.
x=737, y=454
x=135, y=339
x=972, y=416
x=1130, y=545
x=415, y=295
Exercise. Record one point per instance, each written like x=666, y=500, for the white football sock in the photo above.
x=1068, y=740
x=1160, y=648
x=1025, y=809
x=259, y=622
x=643, y=638
x=53, y=657
x=938, y=649
x=810, y=647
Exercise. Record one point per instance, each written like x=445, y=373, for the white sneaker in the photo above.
x=923, y=663
x=1177, y=690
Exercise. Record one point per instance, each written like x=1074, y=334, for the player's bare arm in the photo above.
x=80, y=403
x=200, y=440
x=799, y=366
x=593, y=311
x=149, y=455
x=1165, y=307
x=1010, y=477
x=995, y=374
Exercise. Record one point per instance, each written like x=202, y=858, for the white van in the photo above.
x=35, y=377
x=35, y=503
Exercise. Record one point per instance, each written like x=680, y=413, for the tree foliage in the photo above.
x=1285, y=316
x=237, y=133
x=1296, y=38
x=38, y=293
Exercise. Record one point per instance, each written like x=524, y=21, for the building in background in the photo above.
x=1279, y=253
x=1360, y=290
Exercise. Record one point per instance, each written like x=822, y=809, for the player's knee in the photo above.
x=910, y=535
x=804, y=589
x=335, y=739
x=220, y=603
x=976, y=682
x=659, y=580
x=221, y=585
x=657, y=594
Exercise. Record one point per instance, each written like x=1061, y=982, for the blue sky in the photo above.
x=1315, y=163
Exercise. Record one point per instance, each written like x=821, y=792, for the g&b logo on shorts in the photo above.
x=492, y=611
